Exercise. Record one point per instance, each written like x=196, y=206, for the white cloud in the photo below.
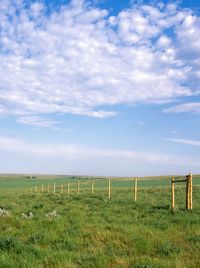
x=78, y=59
x=185, y=141
x=192, y=107
x=140, y=123
x=77, y=151
x=163, y=41
x=37, y=121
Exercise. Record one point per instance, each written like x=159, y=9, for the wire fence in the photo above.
x=142, y=190
x=136, y=188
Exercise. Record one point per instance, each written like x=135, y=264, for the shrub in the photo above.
x=8, y=243
x=168, y=249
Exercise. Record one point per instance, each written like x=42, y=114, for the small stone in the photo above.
x=24, y=216
x=4, y=213
x=52, y=214
x=28, y=215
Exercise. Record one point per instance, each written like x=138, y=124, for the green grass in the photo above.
x=17, y=182
x=93, y=231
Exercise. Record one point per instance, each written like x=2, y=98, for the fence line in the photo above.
x=100, y=186
x=92, y=186
x=108, y=186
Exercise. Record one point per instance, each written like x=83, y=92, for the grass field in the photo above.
x=93, y=231
x=17, y=182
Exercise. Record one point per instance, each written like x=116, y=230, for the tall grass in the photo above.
x=92, y=231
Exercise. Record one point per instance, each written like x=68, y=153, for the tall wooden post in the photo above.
x=68, y=187
x=190, y=176
x=189, y=191
x=42, y=188
x=92, y=186
x=135, y=188
x=172, y=193
x=78, y=186
x=109, y=188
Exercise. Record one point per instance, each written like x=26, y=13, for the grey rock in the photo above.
x=4, y=213
x=52, y=214
x=28, y=215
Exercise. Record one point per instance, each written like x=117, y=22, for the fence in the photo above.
x=106, y=186
x=188, y=180
x=77, y=186
x=109, y=186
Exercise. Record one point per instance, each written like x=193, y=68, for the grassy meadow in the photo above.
x=88, y=230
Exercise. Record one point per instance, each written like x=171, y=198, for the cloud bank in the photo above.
x=81, y=60
x=68, y=151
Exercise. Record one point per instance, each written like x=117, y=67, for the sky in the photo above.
x=101, y=87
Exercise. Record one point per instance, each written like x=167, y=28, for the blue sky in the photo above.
x=100, y=87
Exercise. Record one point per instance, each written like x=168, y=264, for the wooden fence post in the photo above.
x=135, y=187
x=189, y=191
x=78, y=186
x=190, y=179
x=54, y=187
x=92, y=186
x=109, y=188
x=172, y=193
x=68, y=187
x=42, y=188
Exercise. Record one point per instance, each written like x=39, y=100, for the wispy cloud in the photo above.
x=185, y=141
x=37, y=121
x=56, y=150
x=140, y=123
x=80, y=58
x=192, y=107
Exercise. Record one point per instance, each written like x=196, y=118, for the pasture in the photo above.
x=91, y=230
